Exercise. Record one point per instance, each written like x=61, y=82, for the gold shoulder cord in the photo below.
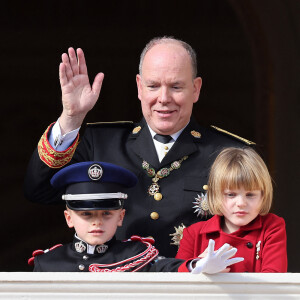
x=234, y=135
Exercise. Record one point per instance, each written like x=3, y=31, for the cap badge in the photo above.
x=196, y=134
x=136, y=129
x=80, y=247
x=101, y=248
x=95, y=172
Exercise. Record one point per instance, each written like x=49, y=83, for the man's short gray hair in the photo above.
x=166, y=40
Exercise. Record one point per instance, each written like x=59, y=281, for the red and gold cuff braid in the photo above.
x=52, y=158
x=135, y=263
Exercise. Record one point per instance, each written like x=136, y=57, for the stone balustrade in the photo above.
x=26, y=285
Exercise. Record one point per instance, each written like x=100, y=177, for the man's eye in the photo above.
x=106, y=213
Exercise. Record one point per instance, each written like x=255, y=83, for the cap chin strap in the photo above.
x=94, y=196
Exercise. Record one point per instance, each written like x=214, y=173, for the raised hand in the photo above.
x=78, y=96
x=216, y=261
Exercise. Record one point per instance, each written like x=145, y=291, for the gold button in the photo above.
x=154, y=215
x=205, y=187
x=166, y=148
x=157, y=196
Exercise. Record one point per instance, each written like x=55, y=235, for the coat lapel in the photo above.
x=142, y=145
x=186, y=144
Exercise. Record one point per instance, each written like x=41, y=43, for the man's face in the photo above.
x=166, y=88
x=95, y=227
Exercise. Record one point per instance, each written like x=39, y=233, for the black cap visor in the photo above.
x=105, y=204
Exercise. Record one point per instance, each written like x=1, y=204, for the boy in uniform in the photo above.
x=94, y=195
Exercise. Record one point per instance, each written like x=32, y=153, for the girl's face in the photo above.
x=240, y=207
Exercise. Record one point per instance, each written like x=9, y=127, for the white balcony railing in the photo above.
x=149, y=286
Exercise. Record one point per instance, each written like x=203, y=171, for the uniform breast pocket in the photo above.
x=195, y=184
x=195, y=189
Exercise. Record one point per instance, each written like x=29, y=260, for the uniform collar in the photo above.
x=186, y=143
x=81, y=246
x=142, y=143
x=174, y=136
x=214, y=225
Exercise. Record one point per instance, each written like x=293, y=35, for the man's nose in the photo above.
x=164, y=96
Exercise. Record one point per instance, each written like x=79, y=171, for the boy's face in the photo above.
x=95, y=227
x=240, y=207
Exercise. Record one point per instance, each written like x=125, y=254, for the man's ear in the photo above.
x=121, y=217
x=68, y=218
x=197, y=87
x=139, y=85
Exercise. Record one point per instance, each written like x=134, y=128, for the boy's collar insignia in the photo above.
x=80, y=247
x=95, y=172
x=101, y=248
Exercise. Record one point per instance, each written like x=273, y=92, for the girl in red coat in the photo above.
x=240, y=196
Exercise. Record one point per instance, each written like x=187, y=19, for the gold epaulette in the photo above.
x=233, y=135
x=52, y=158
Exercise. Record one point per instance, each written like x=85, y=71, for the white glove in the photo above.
x=216, y=261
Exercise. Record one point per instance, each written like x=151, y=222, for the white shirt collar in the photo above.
x=174, y=136
x=163, y=149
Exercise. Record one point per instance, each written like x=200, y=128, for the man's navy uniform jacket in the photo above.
x=128, y=145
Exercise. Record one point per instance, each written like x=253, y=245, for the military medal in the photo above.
x=201, y=205
x=177, y=235
x=153, y=189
